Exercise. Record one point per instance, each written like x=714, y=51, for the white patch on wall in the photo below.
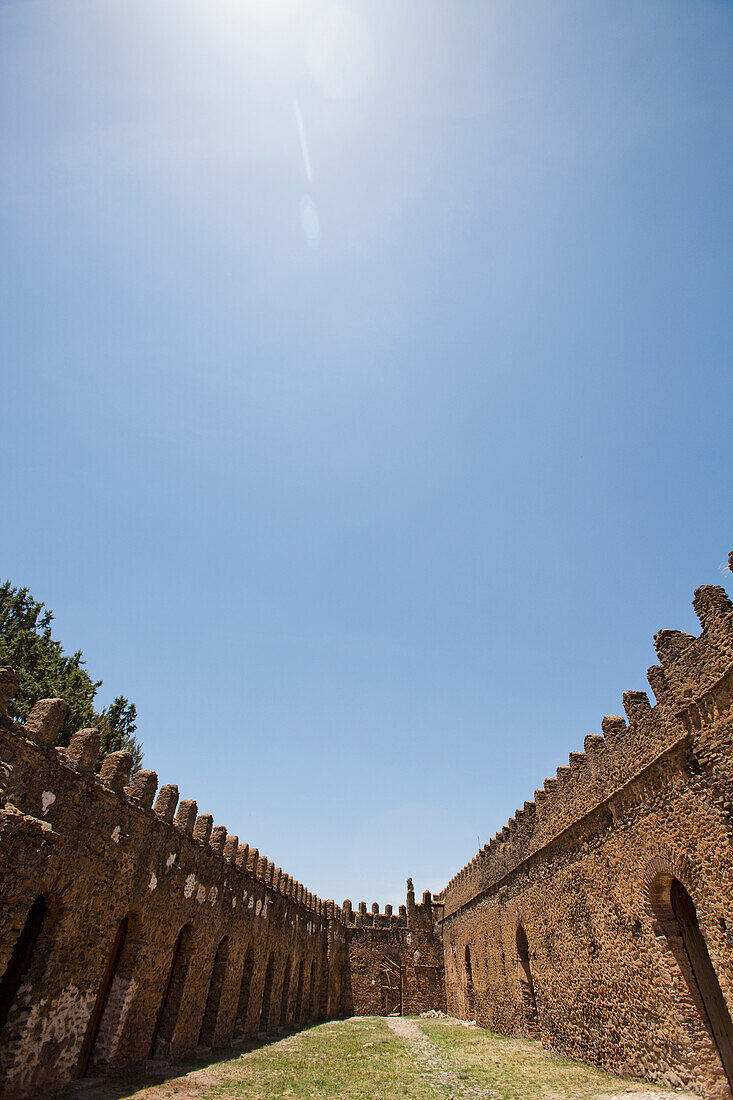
x=116, y=833
x=251, y=903
x=213, y=894
x=258, y=907
x=153, y=881
x=416, y=956
x=201, y=894
x=234, y=903
x=47, y=800
x=171, y=860
x=408, y=937
x=190, y=886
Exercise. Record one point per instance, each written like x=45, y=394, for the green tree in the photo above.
x=117, y=724
x=45, y=671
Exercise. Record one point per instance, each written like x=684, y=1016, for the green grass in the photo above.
x=362, y=1059
x=344, y=1060
x=519, y=1069
x=355, y=1059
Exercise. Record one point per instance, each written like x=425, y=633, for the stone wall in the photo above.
x=600, y=919
x=395, y=961
x=130, y=930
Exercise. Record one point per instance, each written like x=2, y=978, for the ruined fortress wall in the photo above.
x=567, y=925
x=395, y=961
x=157, y=934
x=599, y=919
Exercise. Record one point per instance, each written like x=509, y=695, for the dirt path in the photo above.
x=439, y=1073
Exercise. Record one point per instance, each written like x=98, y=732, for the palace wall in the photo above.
x=395, y=961
x=160, y=934
x=568, y=925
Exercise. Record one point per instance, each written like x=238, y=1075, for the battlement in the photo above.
x=39, y=773
x=361, y=917
x=410, y=915
x=695, y=673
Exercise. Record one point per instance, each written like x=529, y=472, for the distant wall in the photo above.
x=395, y=961
x=585, y=920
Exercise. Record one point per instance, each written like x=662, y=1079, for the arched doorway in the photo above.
x=470, y=1000
x=390, y=974
x=171, y=1002
x=20, y=958
x=285, y=997
x=313, y=992
x=112, y=1003
x=298, y=1010
x=266, y=996
x=240, y=1021
x=676, y=914
x=207, y=1034
x=526, y=984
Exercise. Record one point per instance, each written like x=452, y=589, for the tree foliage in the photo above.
x=117, y=724
x=27, y=645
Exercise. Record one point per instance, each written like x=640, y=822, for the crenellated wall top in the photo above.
x=691, y=668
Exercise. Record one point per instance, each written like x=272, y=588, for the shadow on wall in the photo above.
x=240, y=1021
x=526, y=984
x=676, y=915
x=114, y=1000
x=173, y=994
x=207, y=1034
x=470, y=998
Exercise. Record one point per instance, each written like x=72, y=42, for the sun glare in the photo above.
x=340, y=52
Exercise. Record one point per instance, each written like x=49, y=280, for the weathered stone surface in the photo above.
x=45, y=721
x=142, y=788
x=564, y=929
x=131, y=890
x=231, y=845
x=218, y=839
x=202, y=828
x=186, y=816
x=115, y=770
x=83, y=750
x=166, y=802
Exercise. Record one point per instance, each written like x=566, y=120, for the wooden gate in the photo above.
x=391, y=976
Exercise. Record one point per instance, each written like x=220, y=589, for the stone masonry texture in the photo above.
x=599, y=920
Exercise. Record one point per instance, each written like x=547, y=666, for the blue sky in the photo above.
x=366, y=390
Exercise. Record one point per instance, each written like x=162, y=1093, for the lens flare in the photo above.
x=340, y=53
x=303, y=141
